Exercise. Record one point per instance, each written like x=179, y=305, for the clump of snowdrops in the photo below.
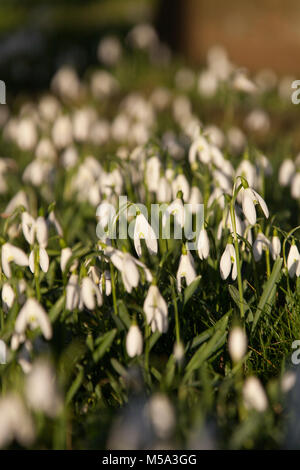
x=141, y=342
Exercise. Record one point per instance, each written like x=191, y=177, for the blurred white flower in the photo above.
x=66, y=254
x=237, y=343
x=33, y=315
x=72, y=293
x=286, y=172
x=41, y=389
x=105, y=283
x=162, y=415
x=203, y=244
x=11, y=253
x=275, y=247
x=254, y=395
x=156, y=310
x=27, y=134
x=109, y=50
x=15, y=422
x=43, y=260
x=152, y=174
x=8, y=297
x=134, y=341
x=295, y=186
x=90, y=294
x=260, y=244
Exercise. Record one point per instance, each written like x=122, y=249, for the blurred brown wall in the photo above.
x=257, y=33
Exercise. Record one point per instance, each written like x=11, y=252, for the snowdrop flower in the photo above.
x=105, y=283
x=203, y=244
x=152, y=174
x=295, y=186
x=254, y=395
x=227, y=222
x=288, y=381
x=66, y=83
x=130, y=273
x=66, y=254
x=41, y=389
x=41, y=230
x=249, y=198
x=72, y=293
x=52, y=220
x=127, y=265
x=37, y=172
x=207, y=83
x=200, y=148
x=156, y=310
x=185, y=269
x=178, y=351
x=49, y=107
x=62, y=132
x=248, y=171
x=237, y=344
x=176, y=208
x=45, y=150
x=28, y=227
x=15, y=421
x=90, y=294
x=228, y=261
x=144, y=230
x=20, y=199
x=258, y=121
x=218, y=196
x=109, y=50
x=134, y=341
x=242, y=83
x=236, y=139
x=33, y=315
x=43, y=260
x=164, y=191
x=11, y=253
x=180, y=183
x=27, y=134
x=275, y=246
x=261, y=243
x=8, y=297
x=286, y=172
x=195, y=199
x=293, y=264
x=162, y=415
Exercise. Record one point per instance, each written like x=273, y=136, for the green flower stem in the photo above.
x=37, y=273
x=268, y=263
x=113, y=289
x=237, y=255
x=177, y=326
x=147, y=346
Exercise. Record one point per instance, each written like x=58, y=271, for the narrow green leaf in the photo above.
x=191, y=289
x=207, y=349
x=105, y=343
x=75, y=386
x=269, y=291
